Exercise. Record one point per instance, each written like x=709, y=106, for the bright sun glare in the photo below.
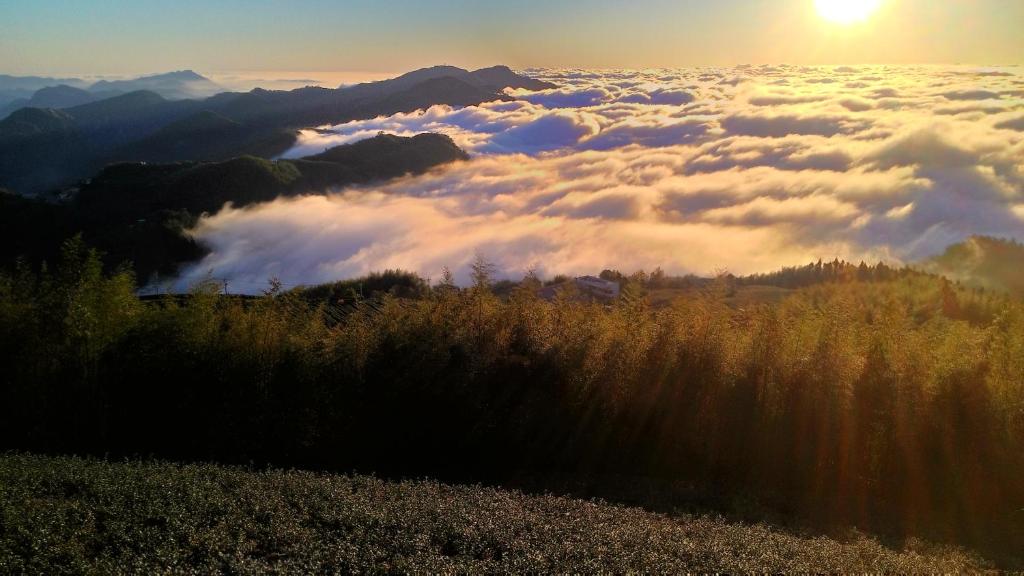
x=847, y=11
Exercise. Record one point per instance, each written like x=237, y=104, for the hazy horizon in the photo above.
x=316, y=35
x=244, y=80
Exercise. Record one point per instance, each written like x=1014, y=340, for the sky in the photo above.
x=118, y=37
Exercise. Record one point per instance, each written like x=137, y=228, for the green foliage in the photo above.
x=395, y=282
x=73, y=516
x=837, y=271
x=874, y=404
x=57, y=330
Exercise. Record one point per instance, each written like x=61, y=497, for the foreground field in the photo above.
x=68, y=515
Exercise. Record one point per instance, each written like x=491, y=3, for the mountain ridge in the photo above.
x=128, y=127
x=138, y=212
x=18, y=92
x=59, y=97
x=495, y=78
x=177, y=85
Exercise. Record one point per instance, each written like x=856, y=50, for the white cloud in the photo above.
x=690, y=170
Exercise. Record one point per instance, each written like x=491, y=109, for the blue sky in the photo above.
x=121, y=37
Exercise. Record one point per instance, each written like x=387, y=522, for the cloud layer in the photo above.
x=749, y=169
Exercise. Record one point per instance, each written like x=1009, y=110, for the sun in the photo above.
x=847, y=11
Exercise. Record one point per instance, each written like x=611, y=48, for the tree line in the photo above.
x=873, y=404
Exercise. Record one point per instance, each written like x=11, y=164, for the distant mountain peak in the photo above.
x=174, y=75
x=60, y=88
x=495, y=78
x=500, y=77
x=189, y=74
x=177, y=85
x=442, y=68
x=59, y=96
x=181, y=75
x=496, y=68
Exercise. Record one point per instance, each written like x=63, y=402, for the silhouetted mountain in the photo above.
x=114, y=109
x=501, y=77
x=21, y=91
x=9, y=105
x=448, y=90
x=205, y=135
x=136, y=212
x=40, y=148
x=181, y=85
x=62, y=96
x=983, y=262
x=144, y=126
x=132, y=190
x=494, y=79
x=29, y=122
x=201, y=123
x=21, y=88
x=116, y=122
x=410, y=79
x=313, y=106
x=33, y=83
x=384, y=156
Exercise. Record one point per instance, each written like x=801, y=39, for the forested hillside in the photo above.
x=876, y=405
x=138, y=213
x=984, y=261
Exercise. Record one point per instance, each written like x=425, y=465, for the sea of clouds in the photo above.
x=749, y=169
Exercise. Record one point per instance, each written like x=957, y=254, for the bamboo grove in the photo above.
x=894, y=405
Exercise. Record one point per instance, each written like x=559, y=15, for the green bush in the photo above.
x=72, y=516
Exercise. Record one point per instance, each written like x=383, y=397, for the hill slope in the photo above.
x=72, y=515
x=39, y=148
x=136, y=190
x=61, y=96
x=137, y=212
x=19, y=89
x=983, y=262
